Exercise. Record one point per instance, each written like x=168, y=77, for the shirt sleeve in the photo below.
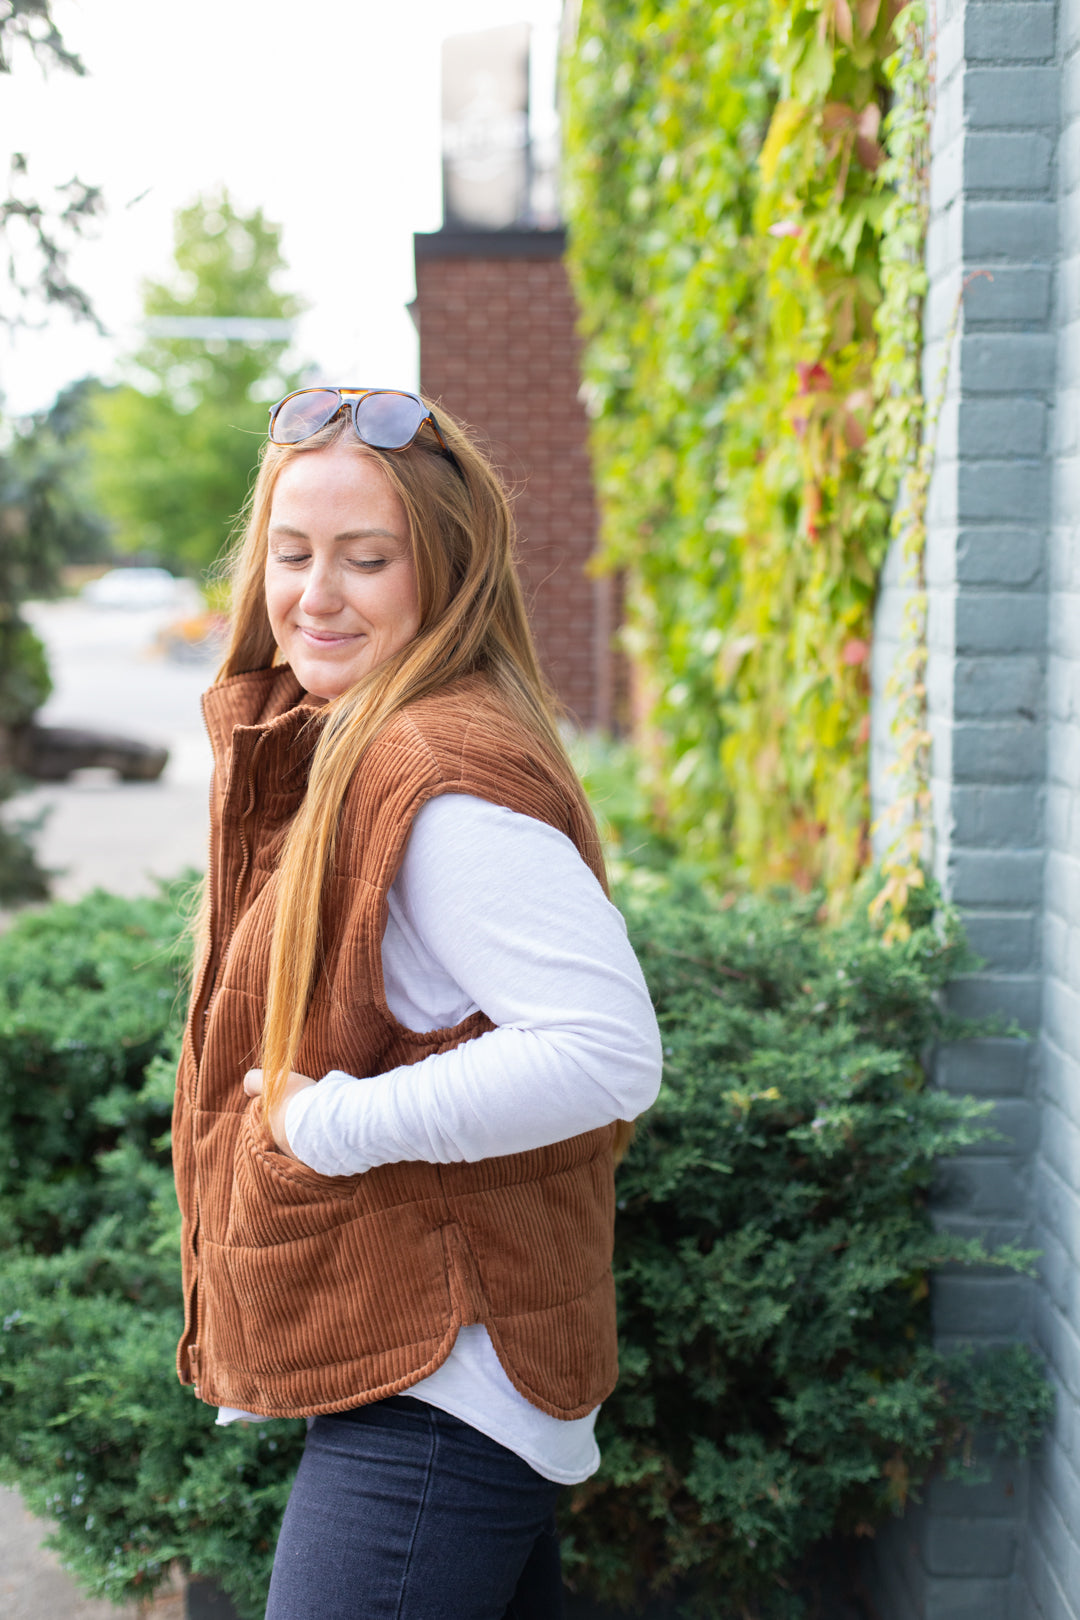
x=514, y=915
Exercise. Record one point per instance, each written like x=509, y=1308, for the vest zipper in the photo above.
x=205, y=976
x=217, y=958
x=245, y=851
x=234, y=918
x=209, y=975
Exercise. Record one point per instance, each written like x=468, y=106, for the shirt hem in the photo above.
x=466, y=1414
x=475, y=1420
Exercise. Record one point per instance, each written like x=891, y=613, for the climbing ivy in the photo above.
x=735, y=209
x=902, y=446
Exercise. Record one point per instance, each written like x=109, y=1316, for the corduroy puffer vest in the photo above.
x=306, y=1293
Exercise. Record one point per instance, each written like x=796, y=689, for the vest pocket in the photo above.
x=326, y=1320
x=276, y=1199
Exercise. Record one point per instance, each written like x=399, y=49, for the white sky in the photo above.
x=327, y=117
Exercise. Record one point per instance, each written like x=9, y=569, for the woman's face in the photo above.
x=340, y=580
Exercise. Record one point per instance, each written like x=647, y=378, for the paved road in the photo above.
x=120, y=835
x=107, y=675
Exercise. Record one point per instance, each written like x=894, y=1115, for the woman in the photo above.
x=399, y=1225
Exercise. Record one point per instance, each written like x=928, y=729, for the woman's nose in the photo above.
x=321, y=593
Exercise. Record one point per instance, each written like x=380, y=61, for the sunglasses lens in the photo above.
x=304, y=414
x=389, y=421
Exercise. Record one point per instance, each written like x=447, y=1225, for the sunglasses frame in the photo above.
x=350, y=398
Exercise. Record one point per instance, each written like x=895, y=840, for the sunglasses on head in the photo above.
x=384, y=418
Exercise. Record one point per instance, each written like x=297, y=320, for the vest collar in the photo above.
x=256, y=698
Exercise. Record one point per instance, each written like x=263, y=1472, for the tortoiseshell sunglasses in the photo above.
x=384, y=418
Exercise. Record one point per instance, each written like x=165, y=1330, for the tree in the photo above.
x=36, y=238
x=45, y=489
x=174, y=450
x=45, y=521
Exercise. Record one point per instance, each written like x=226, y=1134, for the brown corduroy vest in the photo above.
x=306, y=1293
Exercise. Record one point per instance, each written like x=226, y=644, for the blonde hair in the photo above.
x=472, y=618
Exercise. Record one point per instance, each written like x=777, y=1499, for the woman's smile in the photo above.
x=325, y=638
x=341, y=589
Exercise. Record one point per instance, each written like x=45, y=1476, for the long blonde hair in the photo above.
x=472, y=618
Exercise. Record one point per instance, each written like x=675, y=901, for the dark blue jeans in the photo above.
x=401, y=1512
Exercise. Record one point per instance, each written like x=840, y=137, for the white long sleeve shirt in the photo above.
x=496, y=911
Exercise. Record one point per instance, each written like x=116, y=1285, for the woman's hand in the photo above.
x=253, y=1084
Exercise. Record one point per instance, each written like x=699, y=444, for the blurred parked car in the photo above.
x=198, y=639
x=132, y=588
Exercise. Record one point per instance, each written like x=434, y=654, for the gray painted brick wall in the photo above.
x=1053, y=1539
x=994, y=497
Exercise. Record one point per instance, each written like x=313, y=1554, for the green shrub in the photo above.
x=100, y=1436
x=94, y=1427
x=89, y=997
x=772, y=1247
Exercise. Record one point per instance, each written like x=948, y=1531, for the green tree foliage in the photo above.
x=25, y=684
x=777, y=1381
x=175, y=449
x=37, y=237
x=29, y=562
x=45, y=488
x=46, y=519
x=727, y=209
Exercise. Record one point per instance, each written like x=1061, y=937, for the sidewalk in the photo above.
x=32, y=1584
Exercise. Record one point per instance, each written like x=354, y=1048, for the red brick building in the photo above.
x=498, y=348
